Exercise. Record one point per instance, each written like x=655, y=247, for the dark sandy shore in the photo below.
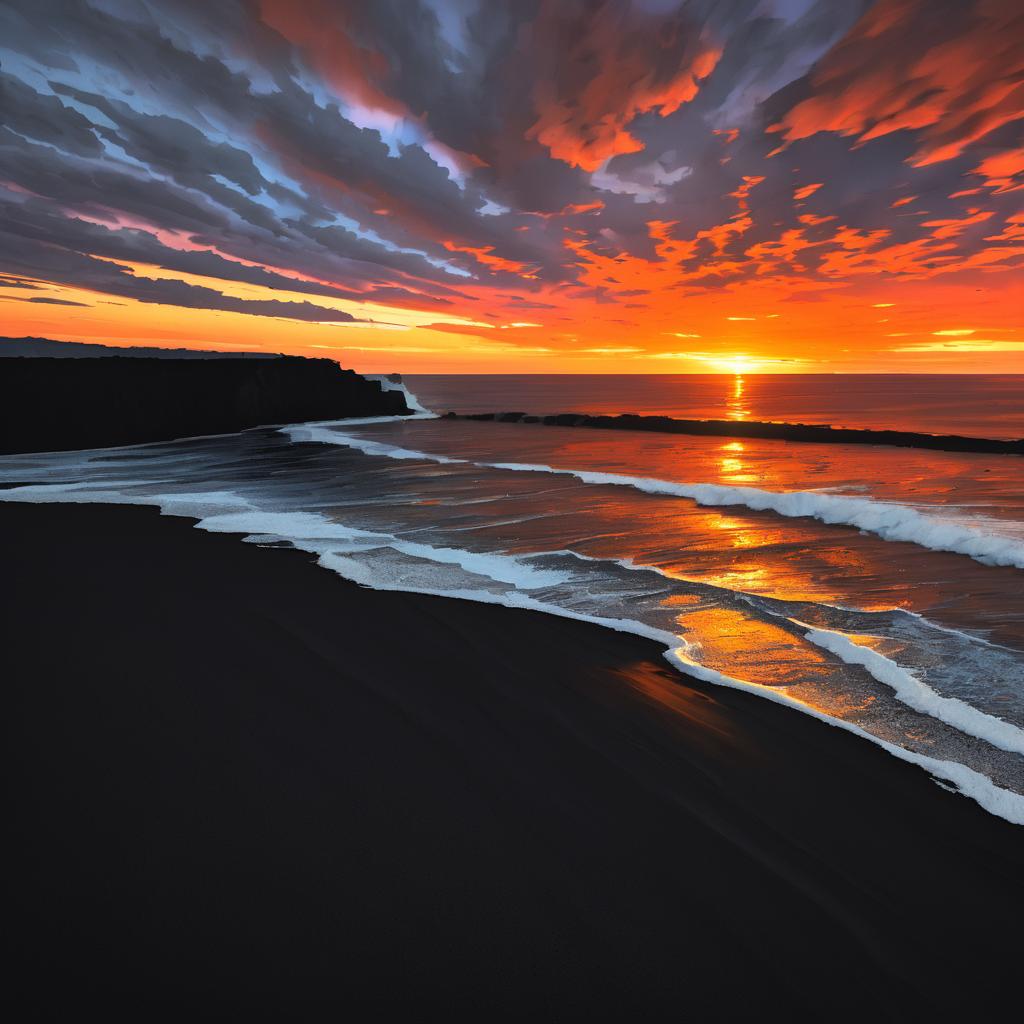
x=240, y=786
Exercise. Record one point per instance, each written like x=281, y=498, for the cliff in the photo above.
x=64, y=404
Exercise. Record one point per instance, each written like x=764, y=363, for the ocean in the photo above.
x=878, y=589
x=976, y=405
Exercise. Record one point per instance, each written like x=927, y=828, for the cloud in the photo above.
x=974, y=345
x=64, y=267
x=53, y=302
x=503, y=163
x=951, y=71
x=600, y=66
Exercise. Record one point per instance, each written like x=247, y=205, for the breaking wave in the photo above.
x=889, y=520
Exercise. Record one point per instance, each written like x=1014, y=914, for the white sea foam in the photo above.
x=996, y=800
x=918, y=695
x=325, y=434
x=410, y=399
x=83, y=493
x=287, y=525
x=311, y=526
x=889, y=520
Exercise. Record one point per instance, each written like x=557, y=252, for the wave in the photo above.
x=998, y=801
x=889, y=520
x=305, y=526
x=907, y=687
x=410, y=399
x=321, y=433
x=918, y=695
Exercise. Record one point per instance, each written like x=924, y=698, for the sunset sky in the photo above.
x=515, y=187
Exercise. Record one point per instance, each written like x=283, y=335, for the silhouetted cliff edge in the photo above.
x=63, y=404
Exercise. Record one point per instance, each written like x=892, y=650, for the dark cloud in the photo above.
x=178, y=148
x=409, y=152
x=62, y=266
x=25, y=112
x=54, y=302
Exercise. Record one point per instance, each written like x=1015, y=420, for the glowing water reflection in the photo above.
x=738, y=408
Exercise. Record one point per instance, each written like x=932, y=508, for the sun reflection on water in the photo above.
x=736, y=402
x=733, y=467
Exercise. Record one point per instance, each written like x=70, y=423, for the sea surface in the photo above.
x=879, y=589
x=976, y=405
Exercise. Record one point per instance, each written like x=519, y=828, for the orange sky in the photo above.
x=922, y=326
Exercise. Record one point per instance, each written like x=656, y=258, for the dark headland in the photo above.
x=53, y=404
x=241, y=788
x=814, y=433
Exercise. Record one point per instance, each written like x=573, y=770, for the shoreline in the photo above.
x=241, y=781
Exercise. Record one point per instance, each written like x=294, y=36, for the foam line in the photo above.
x=323, y=434
x=410, y=399
x=994, y=799
x=918, y=695
x=311, y=526
x=890, y=521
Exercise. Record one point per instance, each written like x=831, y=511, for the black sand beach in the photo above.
x=241, y=786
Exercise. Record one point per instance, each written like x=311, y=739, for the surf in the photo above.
x=891, y=521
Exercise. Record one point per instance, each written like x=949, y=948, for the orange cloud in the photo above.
x=1002, y=169
x=878, y=80
x=606, y=69
x=953, y=227
x=483, y=254
x=1013, y=231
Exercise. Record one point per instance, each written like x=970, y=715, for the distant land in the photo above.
x=48, y=348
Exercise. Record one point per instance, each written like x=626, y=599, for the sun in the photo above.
x=737, y=364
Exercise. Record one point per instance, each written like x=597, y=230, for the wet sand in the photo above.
x=240, y=785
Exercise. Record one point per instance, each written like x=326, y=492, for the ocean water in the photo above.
x=878, y=589
x=973, y=404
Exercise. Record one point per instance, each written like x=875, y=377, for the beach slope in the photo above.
x=239, y=785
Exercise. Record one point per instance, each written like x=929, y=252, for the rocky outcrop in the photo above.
x=755, y=428
x=64, y=404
